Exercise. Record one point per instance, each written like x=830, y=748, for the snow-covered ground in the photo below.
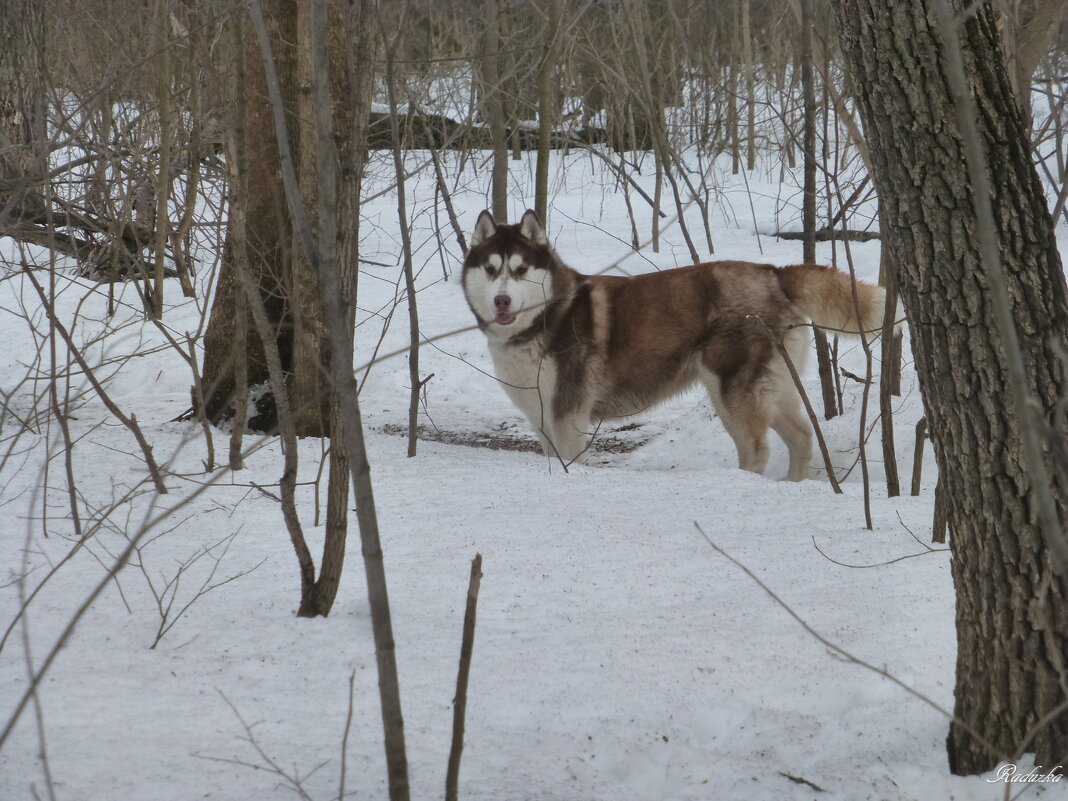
x=618, y=655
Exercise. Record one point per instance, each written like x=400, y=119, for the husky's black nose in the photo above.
x=502, y=303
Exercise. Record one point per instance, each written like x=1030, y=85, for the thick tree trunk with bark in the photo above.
x=268, y=227
x=287, y=281
x=310, y=371
x=1012, y=628
x=22, y=112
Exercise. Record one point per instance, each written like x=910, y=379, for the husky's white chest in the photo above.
x=528, y=375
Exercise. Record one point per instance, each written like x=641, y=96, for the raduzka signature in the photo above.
x=1011, y=773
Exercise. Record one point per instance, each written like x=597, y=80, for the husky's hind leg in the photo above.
x=746, y=418
x=793, y=426
x=749, y=429
x=788, y=419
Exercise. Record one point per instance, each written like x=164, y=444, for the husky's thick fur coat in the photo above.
x=572, y=349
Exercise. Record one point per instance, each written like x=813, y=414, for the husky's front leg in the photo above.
x=570, y=438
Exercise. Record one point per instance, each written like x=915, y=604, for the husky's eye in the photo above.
x=521, y=271
x=491, y=271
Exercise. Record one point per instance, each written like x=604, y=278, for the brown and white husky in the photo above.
x=572, y=349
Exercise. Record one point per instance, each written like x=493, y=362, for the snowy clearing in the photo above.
x=617, y=656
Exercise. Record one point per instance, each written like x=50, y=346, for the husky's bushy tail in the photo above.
x=825, y=295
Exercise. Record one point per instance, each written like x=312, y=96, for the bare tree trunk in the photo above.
x=658, y=198
x=416, y=383
x=324, y=253
x=328, y=192
x=732, y=95
x=237, y=227
x=750, y=87
x=351, y=88
x=917, y=455
x=340, y=337
x=198, y=60
x=808, y=208
x=546, y=110
x=467, y=646
x=163, y=176
x=309, y=371
x=278, y=265
x=22, y=112
x=269, y=234
x=1012, y=635
x=890, y=343
x=493, y=108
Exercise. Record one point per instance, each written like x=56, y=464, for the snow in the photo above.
x=618, y=656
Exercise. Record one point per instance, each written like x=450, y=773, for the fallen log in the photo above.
x=827, y=234
x=424, y=131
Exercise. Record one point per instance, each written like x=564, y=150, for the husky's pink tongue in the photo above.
x=504, y=318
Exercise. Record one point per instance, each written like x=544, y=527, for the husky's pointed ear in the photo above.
x=485, y=227
x=531, y=228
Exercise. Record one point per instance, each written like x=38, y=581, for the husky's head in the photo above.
x=508, y=273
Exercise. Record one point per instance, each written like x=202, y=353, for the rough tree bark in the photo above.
x=268, y=227
x=310, y=370
x=22, y=112
x=277, y=264
x=1012, y=630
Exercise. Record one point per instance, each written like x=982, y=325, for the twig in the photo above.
x=853, y=376
x=800, y=780
x=131, y=421
x=295, y=782
x=446, y=197
x=80, y=543
x=839, y=650
x=452, y=777
x=868, y=371
x=165, y=605
x=287, y=483
x=345, y=740
x=111, y=573
x=912, y=533
x=876, y=564
x=622, y=174
x=388, y=45
x=265, y=492
x=198, y=393
x=38, y=711
x=60, y=414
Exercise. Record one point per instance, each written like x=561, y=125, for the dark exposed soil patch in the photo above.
x=607, y=442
